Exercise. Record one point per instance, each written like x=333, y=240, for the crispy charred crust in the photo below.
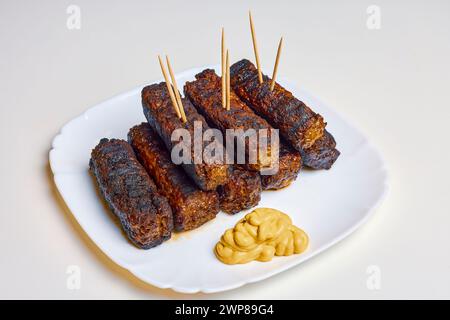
x=163, y=119
x=191, y=206
x=144, y=214
x=290, y=163
x=243, y=191
x=298, y=124
x=206, y=94
x=322, y=154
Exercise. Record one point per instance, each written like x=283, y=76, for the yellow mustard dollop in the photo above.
x=260, y=235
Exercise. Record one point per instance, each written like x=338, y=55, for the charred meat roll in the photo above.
x=298, y=124
x=242, y=191
x=322, y=154
x=144, y=214
x=289, y=165
x=206, y=94
x=163, y=119
x=191, y=206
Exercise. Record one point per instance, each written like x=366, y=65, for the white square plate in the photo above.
x=328, y=205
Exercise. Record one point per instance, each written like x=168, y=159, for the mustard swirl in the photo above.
x=260, y=235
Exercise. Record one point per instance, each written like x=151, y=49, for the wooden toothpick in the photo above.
x=255, y=47
x=177, y=93
x=275, y=68
x=228, y=80
x=169, y=88
x=224, y=94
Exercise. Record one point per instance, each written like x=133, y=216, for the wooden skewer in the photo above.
x=169, y=88
x=177, y=93
x=255, y=47
x=224, y=94
x=228, y=80
x=275, y=68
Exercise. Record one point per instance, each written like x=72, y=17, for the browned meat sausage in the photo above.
x=144, y=214
x=206, y=95
x=163, y=119
x=298, y=124
x=290, y=163
x=242, y=191
x=322, y=154
x=191, y=206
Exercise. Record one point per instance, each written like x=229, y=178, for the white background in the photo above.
x=392, y=83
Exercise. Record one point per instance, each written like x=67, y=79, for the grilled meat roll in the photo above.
x=289, y=165
x=206, y=94
x=163, y=119
x=298, y=124
x=144, y=214
x=191, y=206
x=322, y=154
x=242, y=191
